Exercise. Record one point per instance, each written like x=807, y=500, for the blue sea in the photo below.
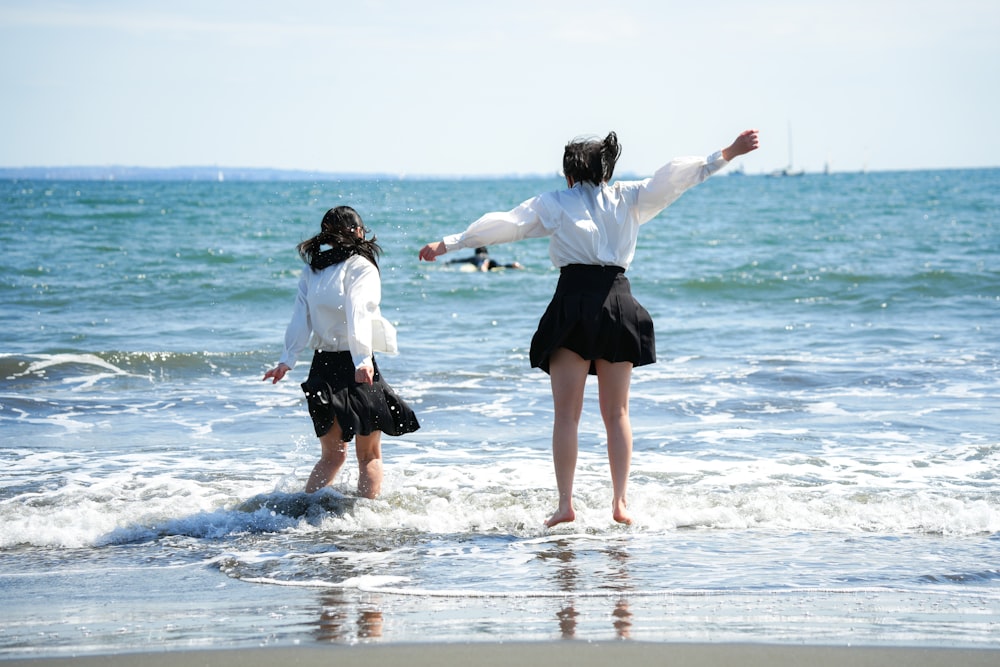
x=817, y=450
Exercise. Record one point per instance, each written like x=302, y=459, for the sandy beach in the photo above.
x=551, y=654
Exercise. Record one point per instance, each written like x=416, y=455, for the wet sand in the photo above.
x=550, y=654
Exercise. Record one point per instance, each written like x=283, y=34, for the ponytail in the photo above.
x=591, y=160
x=611, y=150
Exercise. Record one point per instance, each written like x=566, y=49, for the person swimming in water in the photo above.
x=482, y=261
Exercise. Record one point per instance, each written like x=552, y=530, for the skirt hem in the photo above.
x=594, y=314
x=334, y=396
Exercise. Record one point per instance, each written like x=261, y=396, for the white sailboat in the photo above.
x=789, y=170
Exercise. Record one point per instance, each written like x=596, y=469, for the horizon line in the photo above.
x=223, y=173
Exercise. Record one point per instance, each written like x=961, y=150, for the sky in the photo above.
x=466, y=88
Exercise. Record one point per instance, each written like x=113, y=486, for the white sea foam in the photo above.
x=139, y=496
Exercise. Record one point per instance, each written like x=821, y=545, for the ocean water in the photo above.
x=817, y=450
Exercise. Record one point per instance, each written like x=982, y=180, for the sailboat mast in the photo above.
x=790, y=146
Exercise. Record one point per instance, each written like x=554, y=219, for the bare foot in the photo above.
x=561, y=516
x=620, y=514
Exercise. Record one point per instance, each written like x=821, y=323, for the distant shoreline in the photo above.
x=220, y=174
x=264, y=174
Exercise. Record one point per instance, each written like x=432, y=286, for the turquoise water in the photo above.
x=816, y=450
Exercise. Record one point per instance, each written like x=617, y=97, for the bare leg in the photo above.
x=568, y=375
x=369, y=451
x=613, y=380
x=332, y=457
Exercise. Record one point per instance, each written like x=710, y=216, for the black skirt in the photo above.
x=332, y=394
x=594, y=314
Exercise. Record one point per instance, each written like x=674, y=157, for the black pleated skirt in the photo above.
x=332, y=394
x=594, y=314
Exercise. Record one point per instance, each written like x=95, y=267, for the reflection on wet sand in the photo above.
x=591, y=571
x=337, y=625
x=567, y=620
x=567, y=578
x=623, y=619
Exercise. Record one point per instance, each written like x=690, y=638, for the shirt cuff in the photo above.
x=453, y=242
x=715, y=162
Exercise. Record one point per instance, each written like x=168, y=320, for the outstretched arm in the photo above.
x=498, y=227
x=680, y=174
x=747, y=141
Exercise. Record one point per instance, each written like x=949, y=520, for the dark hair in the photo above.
x=339, y=231
x=591, y=160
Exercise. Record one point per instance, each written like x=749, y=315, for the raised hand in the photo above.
x=748, y=140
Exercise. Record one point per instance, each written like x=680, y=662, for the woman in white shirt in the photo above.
x=337, y=315
x=593, y=325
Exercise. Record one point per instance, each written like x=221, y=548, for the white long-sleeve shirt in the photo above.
x=337, y=310
x=591, y=224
